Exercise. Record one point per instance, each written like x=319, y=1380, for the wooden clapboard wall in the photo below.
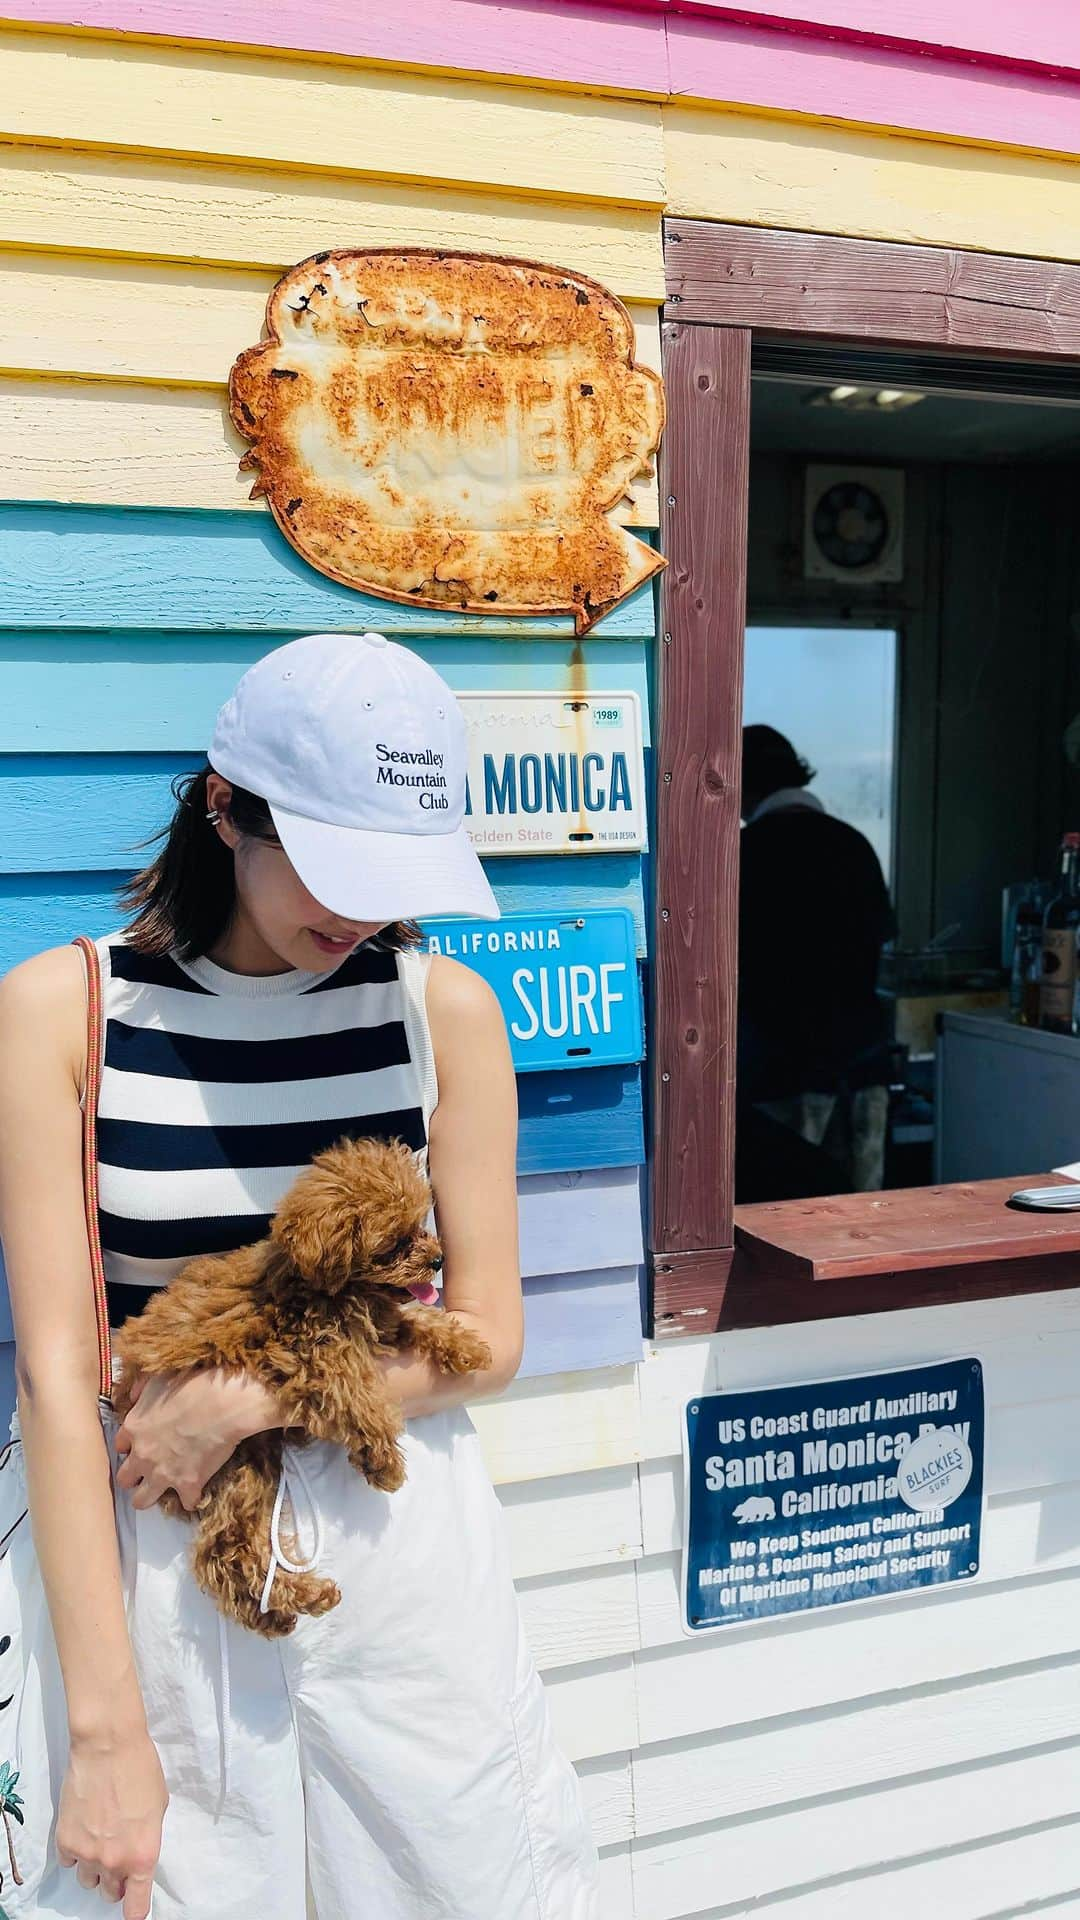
x=138, y=580
x=126, y=629
x=913, y=1755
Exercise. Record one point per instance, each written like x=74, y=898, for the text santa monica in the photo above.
x=818, y=1456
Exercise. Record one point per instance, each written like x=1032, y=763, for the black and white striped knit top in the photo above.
x=217, y=1088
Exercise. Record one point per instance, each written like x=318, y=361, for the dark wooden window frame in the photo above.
x=727, y=285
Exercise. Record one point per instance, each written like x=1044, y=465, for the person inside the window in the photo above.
x=814, y=914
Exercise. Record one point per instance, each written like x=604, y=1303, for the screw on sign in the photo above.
x=448, y=430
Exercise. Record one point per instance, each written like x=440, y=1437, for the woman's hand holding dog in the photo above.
x=182, y=1428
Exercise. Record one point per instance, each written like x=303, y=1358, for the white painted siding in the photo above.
x=911, y=1756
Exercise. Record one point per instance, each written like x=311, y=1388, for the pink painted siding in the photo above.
x=612, y=47
x=821, y=58
x=713, y=59
x=1043, y=33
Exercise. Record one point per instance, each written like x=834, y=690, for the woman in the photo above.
x=267, y=999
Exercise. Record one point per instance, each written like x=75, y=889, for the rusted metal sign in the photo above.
x=452, y=430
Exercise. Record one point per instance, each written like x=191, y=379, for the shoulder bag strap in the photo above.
x=90, y=1159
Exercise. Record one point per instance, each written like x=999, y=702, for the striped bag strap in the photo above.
x=90, y=1158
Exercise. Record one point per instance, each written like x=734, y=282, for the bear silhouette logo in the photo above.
x=758, y=1507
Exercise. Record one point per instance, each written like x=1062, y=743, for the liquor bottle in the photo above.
x=1025, y=981
x=1061, y=923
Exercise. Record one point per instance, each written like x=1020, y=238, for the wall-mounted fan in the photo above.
x=853, y=526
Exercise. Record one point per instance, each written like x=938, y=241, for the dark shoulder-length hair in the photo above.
x=184, y=900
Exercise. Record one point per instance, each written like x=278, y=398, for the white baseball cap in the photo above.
x=359, y=749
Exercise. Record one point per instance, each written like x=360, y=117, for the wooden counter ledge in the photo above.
x=882, y=1252
x=904, y=1230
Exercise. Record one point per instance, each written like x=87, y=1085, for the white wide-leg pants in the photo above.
x=396, y=1755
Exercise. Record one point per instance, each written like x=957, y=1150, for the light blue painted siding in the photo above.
x=572, y=1322
x=123, y=630
x=147, y=692
x=193, y=572
x=582, y=1320
x=591, y=1118
x=46, y=909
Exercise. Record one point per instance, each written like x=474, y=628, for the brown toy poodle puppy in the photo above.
x=307, y=1312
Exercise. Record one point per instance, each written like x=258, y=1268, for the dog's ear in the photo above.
x=316, y=1228
x=393, y=1194
x=350, y=1206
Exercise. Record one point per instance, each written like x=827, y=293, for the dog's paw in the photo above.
x=382, y=1466
x=465, y=1352
x=309, y=1594
x=324, y=1601
x=450, y=1346
x=293, y=1595
x=171, y=1503
x=275, y=1624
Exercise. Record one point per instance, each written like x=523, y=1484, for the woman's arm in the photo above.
x=114, y=1796
x=473, y=1158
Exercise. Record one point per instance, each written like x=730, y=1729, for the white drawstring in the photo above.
x=291, y=1479
x=290, y=1466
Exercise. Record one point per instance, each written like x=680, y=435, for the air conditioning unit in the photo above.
x=853, y=525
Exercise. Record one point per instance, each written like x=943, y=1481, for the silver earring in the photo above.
x=213, y=816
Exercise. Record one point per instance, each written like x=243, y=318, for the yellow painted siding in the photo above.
x=213, y=215
x=149, y=195
x=105, y=93
x=567, y=1423
x=142, y=321
x=785, y=173
x=107, y=444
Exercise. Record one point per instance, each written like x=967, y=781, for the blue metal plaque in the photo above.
x=839, y=1490
x=568, y=984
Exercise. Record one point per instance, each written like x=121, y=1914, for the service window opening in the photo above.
x=911, y=753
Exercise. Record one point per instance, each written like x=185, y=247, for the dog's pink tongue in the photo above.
x=426, y=1292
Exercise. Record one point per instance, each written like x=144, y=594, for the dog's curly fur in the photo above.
x=307, y=1312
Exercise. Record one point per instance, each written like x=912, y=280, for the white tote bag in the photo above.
x=33, y=1714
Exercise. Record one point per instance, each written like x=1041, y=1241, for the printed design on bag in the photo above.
x=11, y=1464
x=11, y=1803
x=11, y=1808
x=7, y=1538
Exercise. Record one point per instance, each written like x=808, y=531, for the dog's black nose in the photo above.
x=437, y=1263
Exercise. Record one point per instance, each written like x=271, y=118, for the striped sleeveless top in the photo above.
x=218, y=1088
